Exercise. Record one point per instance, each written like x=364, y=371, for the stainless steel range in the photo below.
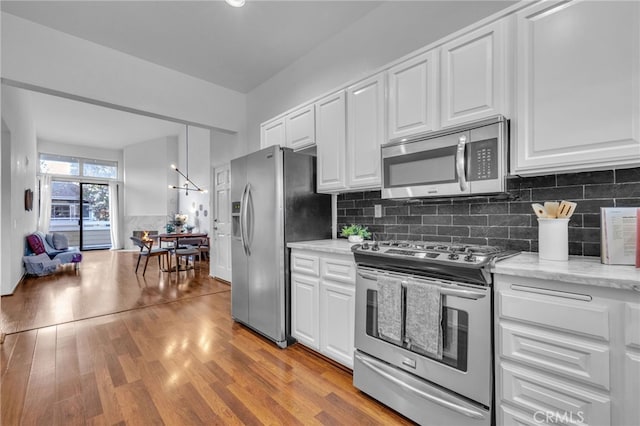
x=424, y=332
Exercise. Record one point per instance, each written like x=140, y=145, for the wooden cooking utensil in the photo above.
x=552, y=208
x=539, y=210
x=566, y=209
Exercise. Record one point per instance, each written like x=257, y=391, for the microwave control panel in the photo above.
x=482, y=158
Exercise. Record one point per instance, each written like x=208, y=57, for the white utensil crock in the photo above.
x=553, y=239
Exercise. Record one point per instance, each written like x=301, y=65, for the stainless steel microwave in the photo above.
x=465, y=160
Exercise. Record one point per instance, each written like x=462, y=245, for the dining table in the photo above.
x=175, y=237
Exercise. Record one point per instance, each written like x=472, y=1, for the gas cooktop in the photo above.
x=464, y=254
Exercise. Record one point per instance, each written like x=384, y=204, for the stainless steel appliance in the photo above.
x=463, y=160
x=273, y=203
x=456, y=388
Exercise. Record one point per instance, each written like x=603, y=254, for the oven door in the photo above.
x=465, y=367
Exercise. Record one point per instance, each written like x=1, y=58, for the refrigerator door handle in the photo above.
x=243, y=219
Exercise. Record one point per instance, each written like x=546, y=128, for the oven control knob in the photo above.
x=365, y=246
x=470, y=258
x=453, y=256
x=375, y=247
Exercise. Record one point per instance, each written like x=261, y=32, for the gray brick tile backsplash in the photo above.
x=627, y=175
x=498, y=220
x=437, y=219
x=605, y=176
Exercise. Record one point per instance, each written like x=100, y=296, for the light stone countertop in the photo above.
x=339, y=246
x=577, y=270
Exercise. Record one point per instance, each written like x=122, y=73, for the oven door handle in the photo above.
x=436, y=399
x=445, y=291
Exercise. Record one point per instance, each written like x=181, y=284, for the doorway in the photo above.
x=222, y=223
x=80, y=210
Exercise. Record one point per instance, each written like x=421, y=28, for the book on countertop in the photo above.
x=619, y=235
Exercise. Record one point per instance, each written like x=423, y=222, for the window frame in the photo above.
x=81, y=162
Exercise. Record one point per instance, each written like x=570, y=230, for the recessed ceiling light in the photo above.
x=235, y=3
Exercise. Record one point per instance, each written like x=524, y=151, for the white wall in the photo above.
x=200, y=173
x=386, y=33
x=148, y=202
x=40, y=56
x=19, y=160
x=225, y=147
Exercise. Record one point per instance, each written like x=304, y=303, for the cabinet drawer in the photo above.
x=534, y=392
x=558, y=312
x=339, y=270
x=509, y=416
x=305, y=264
x=572, y=357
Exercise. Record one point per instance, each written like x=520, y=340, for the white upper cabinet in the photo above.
x=577, y=87
x=272, y=133
x=473, y=75
x=365, y=132
x=301, y=128
x=330, y=140
x=413, y=96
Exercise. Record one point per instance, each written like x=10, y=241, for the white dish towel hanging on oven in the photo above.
x=423, y=317
x=390, y=308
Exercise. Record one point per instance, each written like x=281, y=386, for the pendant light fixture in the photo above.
x=188, y=185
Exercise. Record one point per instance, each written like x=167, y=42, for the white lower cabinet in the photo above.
x=337, y=315
x=565, y=353
x=323, y=304
x=304, y=312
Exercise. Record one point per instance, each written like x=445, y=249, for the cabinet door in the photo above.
x=301, y=128
x=337, y=318
x=473, y=76
x=304, y=310
x=631, y=410
x=330, y=141
x=577, y=86
x=365, y=127
x=412, y=96
x=272, y=133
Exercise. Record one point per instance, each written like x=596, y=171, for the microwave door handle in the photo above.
x=461, y=163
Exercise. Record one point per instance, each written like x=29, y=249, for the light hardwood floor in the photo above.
x=181, y=362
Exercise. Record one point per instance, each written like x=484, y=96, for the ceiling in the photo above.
x=238, y=48
x=77, y=123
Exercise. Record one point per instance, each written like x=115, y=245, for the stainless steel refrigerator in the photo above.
x=273, y=202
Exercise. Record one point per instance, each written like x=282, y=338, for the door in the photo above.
x=272, y=133
x=330, y=142
x=265, y=242
x=301, y=128
x=239, y=258
x=86, y=223
x=412, y=96
x=365, y=126
x=304, y=310
x=95, y=233
x=473, y=69
x=337, y=314
x=221, y=265
x=466, y=335
x=577, y=86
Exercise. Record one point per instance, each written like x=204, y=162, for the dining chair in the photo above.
x=147, y=250
x=199, y=243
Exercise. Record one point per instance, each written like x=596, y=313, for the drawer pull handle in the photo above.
x=554, y=293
